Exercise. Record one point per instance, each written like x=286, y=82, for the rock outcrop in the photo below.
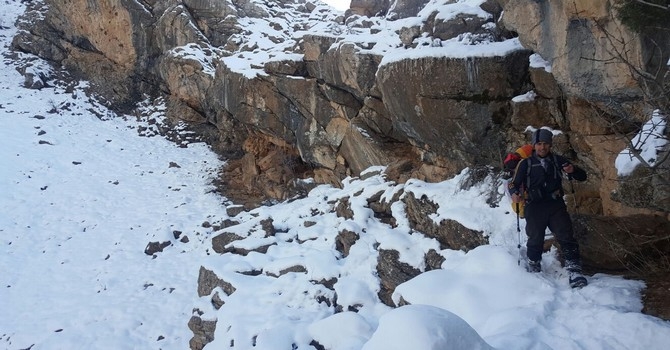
x=596, y=97
x=319, y=95
x=296, y=102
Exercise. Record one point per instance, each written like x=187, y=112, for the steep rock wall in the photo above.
x=333, y=106
x=592, y=58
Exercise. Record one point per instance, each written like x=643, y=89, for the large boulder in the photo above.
x=637, y=244
x=570, y=37
x=448, y=105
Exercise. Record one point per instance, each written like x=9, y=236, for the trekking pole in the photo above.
x=518, y=233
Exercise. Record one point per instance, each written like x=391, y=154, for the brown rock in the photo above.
x=450, y=233
x=639, y=243
x=392, y=273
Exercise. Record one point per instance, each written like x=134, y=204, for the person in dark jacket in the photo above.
x=538, y=181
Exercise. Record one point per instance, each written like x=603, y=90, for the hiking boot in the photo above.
x=577, y=280
x=573, y=266
x=534, y=266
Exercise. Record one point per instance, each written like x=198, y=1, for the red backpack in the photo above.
x=513, y=158
x=510, y=165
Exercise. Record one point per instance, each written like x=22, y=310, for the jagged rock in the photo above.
x=545, y=84
x=382, y=209
x=329, y=283
x=207, y=14
x=538, y=111
x=406, y=8
x=368, y=8
x=434, y=260
x=222, y=242
x=233, y=210
x=177, y=25
x=203, y=332
x=156, y=247
x=217, y=302
x=392, y=273
x=602, y=150
x=344, y=240
x=224, y=224
x=459, y=24
x=286, y=67
x=188, y=82
x=454, y=235
x=268, y=227
x=651, y=189
x=569, y=39
x=468, y=88
x=343, y=210
x=295, y=268
x=362, y=151
x=637, y=243
x=327, y=176
x=92, y=39
x=401, y=170
x=176, y=234
x=37, y=39
x=251, y=272
x=343, y=66
x=33, y=81
x=219, y=242
x=208, y=280
x=450, y=233
x=408, y=34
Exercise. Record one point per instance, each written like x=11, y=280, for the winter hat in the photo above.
x=542, y=135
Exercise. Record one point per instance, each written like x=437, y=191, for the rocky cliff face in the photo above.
x=289, y=89
x=591, y=55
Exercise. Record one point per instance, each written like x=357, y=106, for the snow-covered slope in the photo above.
x=80, y=198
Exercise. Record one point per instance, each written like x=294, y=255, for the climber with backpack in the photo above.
x=537, y=182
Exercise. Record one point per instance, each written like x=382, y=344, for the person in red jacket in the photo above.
x=538, y=182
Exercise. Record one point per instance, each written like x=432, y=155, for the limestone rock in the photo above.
x=368, y=8
x=570, y=39
x=156, y=247
x=450, y=233
x=447, y=105
x=220, y=242
x=407, y=8
x=345, y=240
x=631, y=243
x=203, y=332
x=208, y=280
x=392, y=273
x=343, y=66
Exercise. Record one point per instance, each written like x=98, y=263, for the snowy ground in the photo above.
x=80, y=198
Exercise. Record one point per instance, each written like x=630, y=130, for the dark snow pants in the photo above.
x=552, y=214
